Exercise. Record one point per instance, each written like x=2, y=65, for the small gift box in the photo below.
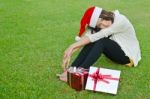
x=103, y=80
x=76, y=78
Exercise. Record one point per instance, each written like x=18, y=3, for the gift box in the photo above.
x=103, y=80
x=76, y=78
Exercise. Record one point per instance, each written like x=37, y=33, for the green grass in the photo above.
x=34, y=34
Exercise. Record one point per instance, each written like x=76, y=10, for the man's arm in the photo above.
x=72, y=48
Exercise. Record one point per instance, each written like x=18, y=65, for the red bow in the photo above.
x=96, y=76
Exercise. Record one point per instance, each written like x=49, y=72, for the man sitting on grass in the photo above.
x=110, y=33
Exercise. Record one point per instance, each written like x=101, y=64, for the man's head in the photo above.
x=105, y=20
x=95, y=18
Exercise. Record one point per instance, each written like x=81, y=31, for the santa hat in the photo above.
x=90, y=18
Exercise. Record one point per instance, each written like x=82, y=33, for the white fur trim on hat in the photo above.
x=77, y=38
x=96, y=13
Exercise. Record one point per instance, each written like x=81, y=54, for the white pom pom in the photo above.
x=77, y=38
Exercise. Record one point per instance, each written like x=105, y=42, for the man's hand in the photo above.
x=67, y=56
x=70, y=50
x=65, y=63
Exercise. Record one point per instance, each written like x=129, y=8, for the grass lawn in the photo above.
x=34, y=35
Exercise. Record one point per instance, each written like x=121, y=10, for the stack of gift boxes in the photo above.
x=94, y=79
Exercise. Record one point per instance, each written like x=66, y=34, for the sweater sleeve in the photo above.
x=117, y=27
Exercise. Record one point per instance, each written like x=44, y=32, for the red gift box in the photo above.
x=76, y=78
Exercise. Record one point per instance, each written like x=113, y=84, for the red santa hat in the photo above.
x=90, y=18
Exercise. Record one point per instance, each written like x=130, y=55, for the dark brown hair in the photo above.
x=106, y=15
